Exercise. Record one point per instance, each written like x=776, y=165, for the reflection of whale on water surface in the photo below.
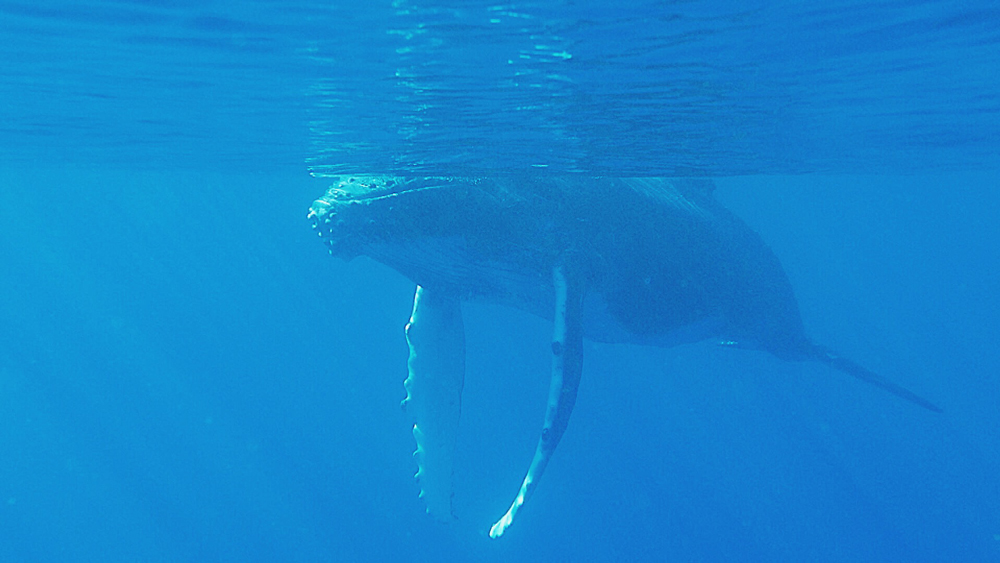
x=647, y=261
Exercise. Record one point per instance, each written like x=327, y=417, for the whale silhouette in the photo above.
x=639, y=260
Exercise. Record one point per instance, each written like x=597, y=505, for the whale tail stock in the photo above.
x=826, y=356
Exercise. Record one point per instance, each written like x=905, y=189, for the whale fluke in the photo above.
x=836, y=361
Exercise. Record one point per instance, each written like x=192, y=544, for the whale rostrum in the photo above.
x=649, y=261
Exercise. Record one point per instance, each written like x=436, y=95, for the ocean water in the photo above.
x=186, y=375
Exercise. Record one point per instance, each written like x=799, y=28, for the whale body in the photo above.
x=650, y=261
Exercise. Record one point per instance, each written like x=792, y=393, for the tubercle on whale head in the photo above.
x=345, y=216
x=392, y=215
x=329, y=224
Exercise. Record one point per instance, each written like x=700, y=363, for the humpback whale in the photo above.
x=649, y=261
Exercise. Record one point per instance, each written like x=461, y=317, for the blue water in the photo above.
x=186, y=375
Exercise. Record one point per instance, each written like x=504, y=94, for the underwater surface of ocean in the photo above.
x=186, y=375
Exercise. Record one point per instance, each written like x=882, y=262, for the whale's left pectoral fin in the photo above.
x=567, y=365
x=436, y=337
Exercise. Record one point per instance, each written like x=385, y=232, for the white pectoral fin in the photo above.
x=567, y=366
x=436, y=337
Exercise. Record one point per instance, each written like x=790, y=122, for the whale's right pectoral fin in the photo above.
x=567, y=366
x=434, y=392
